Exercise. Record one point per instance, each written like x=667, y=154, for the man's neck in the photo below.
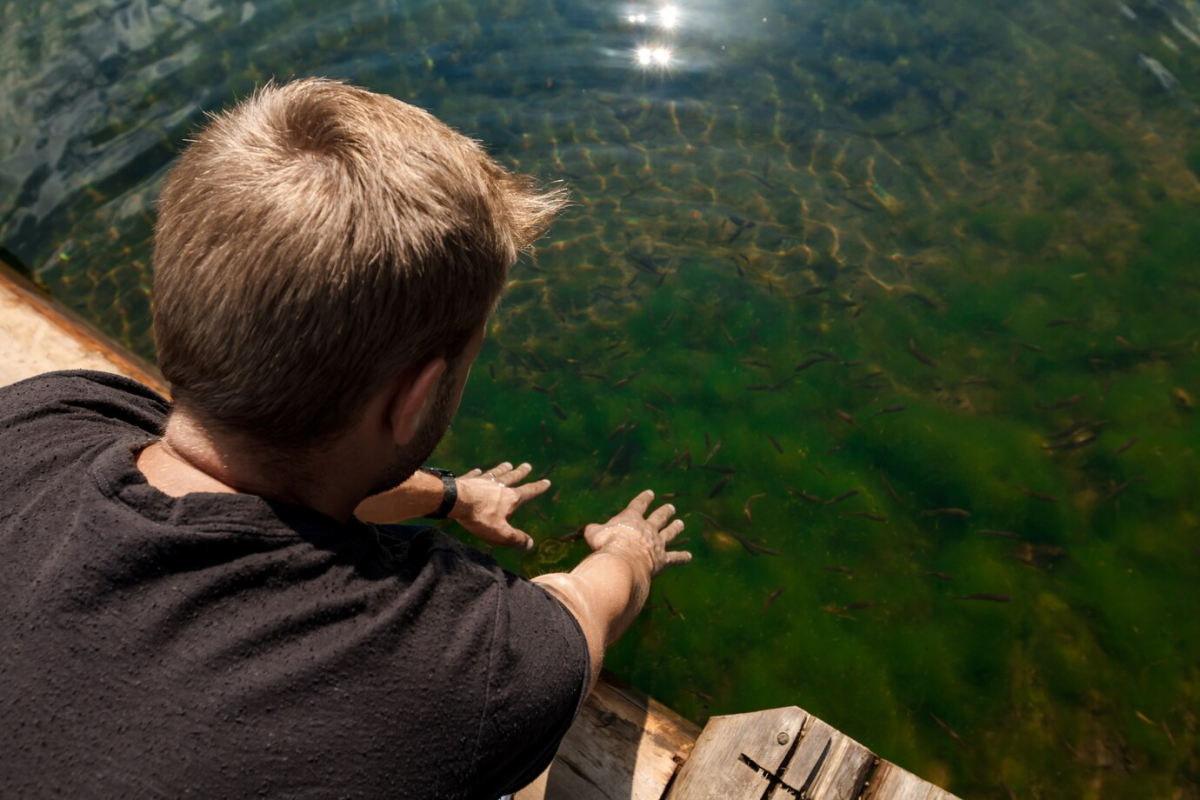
x=188, y=459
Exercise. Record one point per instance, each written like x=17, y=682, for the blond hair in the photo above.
x=319, y=240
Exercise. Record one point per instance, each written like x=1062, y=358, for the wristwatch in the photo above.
x=449, y=492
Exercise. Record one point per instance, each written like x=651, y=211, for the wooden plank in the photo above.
x=890, y=782
x=624, y=744
x=843, y=771
x=37, y=335
x=736, y=755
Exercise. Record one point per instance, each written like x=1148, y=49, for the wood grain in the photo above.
x=732, y=752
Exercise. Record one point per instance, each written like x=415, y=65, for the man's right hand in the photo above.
x=639, y=537
x=609, y=587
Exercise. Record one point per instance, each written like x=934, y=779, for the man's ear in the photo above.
x=413, y=401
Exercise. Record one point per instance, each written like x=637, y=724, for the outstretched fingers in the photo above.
x=677, y=557
x=641, y=503
x=672, y=530
x=529, y=491
x=661, y=516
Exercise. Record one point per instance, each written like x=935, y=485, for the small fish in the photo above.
x=803, y=365
x=1118, y=489
x=627, y=379
x=1048, y=498
x=492, y=371
x=1036, y=348
x=716, y=448
x=1066, y=402
x=814, y=291
x=953, y=734
x=542, y=389
x=841, y=497
x=612, y=461
x=597, y=375
x=753, y=362
x=755, y=548
x=941, y=576
x=667, y=322
x=925, y=300
x=820, y=469
x=666, y=396
x=868, y=515
x=861, y=604
x=843, y=570
x=1182, y=400
x=1127, y=12
x=746, y=507
x=652, y=407
x=946, y=512
x=772, y=597
x=976, y=380
x=721, y=470
x=991, y=598
x=890, y=490
x=645, y=262
x=761, y=387
x=889, y=410
x=775, y=442
x=1185, y=31
x=705, y=697
x=812, y=498
x=1152, y=65
x=671, y=608
x=728, y=336
x=920, y=356
x=558, y=411
x=546, y=435
x=998, y=534
x=721, y=484
x=844, y=417
x=1056, y=323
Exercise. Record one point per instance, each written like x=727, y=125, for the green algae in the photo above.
x=1000, y=187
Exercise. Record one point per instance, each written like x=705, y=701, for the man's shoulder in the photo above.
x=77, y=386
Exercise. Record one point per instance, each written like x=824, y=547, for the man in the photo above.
x=194, y=599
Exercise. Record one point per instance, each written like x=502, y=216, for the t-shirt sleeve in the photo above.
x=537, y=682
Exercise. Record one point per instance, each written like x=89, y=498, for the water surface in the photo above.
x=941, y=255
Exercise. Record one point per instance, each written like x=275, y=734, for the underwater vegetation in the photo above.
x=896, y=301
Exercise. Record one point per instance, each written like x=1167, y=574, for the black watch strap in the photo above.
x=449, y=492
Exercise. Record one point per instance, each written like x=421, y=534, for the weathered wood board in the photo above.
x=37, y=335
x=735, y=755
x=787, y=753
x=893, y=783
x=623, y=745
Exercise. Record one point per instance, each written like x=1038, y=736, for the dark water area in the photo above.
x=899, y=300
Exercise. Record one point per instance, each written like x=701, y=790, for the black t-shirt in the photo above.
x=220, y=645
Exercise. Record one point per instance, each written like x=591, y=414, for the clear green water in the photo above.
x=1004, y=187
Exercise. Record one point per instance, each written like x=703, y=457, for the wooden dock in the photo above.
x=624, y=744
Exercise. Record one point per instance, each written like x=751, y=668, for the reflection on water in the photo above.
x=896, y=299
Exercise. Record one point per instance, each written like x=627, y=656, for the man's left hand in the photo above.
x=487, y=499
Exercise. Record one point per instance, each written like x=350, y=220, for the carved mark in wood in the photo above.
x=773, y=780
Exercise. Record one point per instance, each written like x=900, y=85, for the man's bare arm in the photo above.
x=609, y=587
x=421, y=494
x=486, y=501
